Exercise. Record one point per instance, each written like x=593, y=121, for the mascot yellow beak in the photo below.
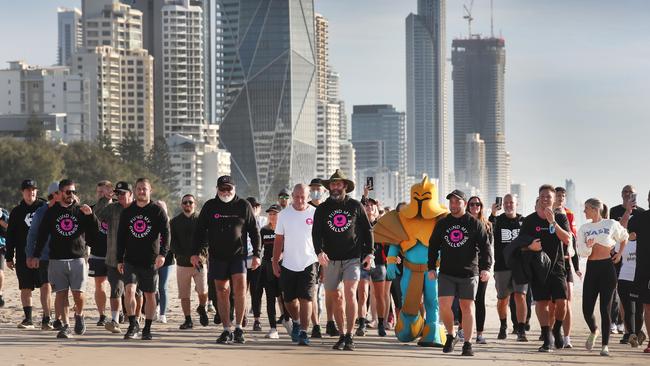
x=424, y=201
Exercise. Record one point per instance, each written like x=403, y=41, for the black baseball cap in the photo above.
x=458, y=194
x=122, y=187
x=253, y=201
x=316, y=182
x=225, y=180
x=28, y=183
x=284, y=192
x=274, y=207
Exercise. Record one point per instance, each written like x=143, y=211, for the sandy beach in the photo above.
x=173, y=346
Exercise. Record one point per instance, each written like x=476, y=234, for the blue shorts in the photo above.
x=222, y=270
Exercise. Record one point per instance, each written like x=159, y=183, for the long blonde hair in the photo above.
x=597, y=204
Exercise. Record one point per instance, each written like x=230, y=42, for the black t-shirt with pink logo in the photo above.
x=142, y=235
x=342, y=230
x=99, y=249
x=463, y=246
x=66, y=226
x=539, y=228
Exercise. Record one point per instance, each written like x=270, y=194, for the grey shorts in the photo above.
x=464, y=288
x=377, y=274
x=67, y=274
x=506, y=285
x=337, y=271
x=115, y=281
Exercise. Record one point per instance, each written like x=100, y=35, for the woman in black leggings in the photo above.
x=595, y=241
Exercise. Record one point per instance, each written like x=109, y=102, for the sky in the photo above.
x=577, y=77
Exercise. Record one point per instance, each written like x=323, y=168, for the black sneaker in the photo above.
x=339, y=344
x=203, y=316
x=26, y=324
x=546, y=348
x=120, y=318
x=146, y=334
x=2, y=302
x=625, y=339
x=467, y=349
x=503, y=333
x=349, y=343
x=225, y=337
x=239, y=336
x=450, y=344
x=361, y=330
x=559, y=340
x=316, y=332
x=65, y=332
x=187, y=325
x=79, y=325
x=257, y=326
x=46, y=325
x=330, y=329
x=521, y=337
x=102, y=321
x=381, y=329
x=57, y=325
x=217, y=318
x=132, y=331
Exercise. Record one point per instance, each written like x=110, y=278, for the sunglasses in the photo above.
x=225, y=189
x=120, y=193
x=70, y=192
x=283, y=197
x=476, y=204
x=188, y=202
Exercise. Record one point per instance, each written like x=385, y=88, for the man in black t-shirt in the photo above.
x=549, y=230
x=625, y=211
x=640, y=225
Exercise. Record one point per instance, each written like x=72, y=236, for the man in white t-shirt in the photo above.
x=298, y=271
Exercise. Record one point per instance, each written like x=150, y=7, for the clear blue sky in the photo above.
x=577, y=76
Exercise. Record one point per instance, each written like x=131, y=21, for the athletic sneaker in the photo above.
x=211, y=308
x=460, y=335
x=330, y=329
x=647, y=350
x=641, y=336
x=162, y=319
x=546, y=348
x=479, y=340
x=633, y=339
x=217, y=319
x=132, y=332
x=187, y=325
x=316, y=332
x=521, y=337
x=46, y=325
x=625, y=339
x=303, y=340
x=361, y=330
x=79, y=325
x=349, y=343
x=558, y=340
x=272, y=334
x=567, y=342
x=620, y=328
x=203, y=316
x=239, y=336
x=339, y=344
x=467, y=349
x=113, y=327
x=604, y=351
x=146, y=334
x=57, y=325
x=381, y=329
x=288, y=325
x=503, y=333
x=257, y=326
x=295, y=332
x=102, y=321
x=121, y=318
x=65, y=332
x=613, y=329
x=2, y=302
x=225, y=337
x=450, y=344
x=26, y=324
x=591, y=340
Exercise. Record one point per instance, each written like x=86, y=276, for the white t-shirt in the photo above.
x=606, y=232
x=628, y=260
x=296, y=226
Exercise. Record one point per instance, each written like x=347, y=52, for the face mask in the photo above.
x=316, y=195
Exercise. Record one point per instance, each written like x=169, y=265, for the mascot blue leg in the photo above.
x=431, y=334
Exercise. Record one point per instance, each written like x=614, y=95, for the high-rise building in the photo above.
x=269, y=123
x=368, y=154
x=519, y=190
x=348, y=165
x=571, y=196
x=478, y=75
x=428, y=140
x=475, y=163
x=27, y=90
x=70, y=34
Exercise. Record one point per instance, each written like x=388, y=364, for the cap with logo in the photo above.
x=225, y=180
x=458, y=194
x=122, y=187
x=274, y=208
x=28, y=183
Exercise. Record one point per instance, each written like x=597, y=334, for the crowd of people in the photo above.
x=314, y=252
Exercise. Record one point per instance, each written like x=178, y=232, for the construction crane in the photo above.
x=468, y=17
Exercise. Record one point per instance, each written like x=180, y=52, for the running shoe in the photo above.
x=479, y=340
x=203, y=316
x=288, y=325
x=450, y=344
x=65, y=332
x=217, y=318
x=361, y=330
x=591, y=340
x=257, y=326
x=132, y=332
x=225, y=337
x=604, y=351
x=272, y=334
x=467, y=349
x=239, y=336
x=348, y=343
x=641, y=336
x=146, y=334
x=620, y=328
x=316, y=332
x=2, y=302
x=625, y=339
x=211, y=308
x=330, y=329
x=546, y=348
x=79, y=325
x=303, y=340
x=613, y=329
x=187, y=325
x=26, y=324
x=381, y=329
x=339, y=344
x=57, y=325
x=647, y=350
x=503, y=333
x=46, y=325
x=113, y=327
x=521, y=337
x=162, y=319
x=558, y=340
x=295, y=332
x=102, y=321
x=633, y=340
x=567, y=342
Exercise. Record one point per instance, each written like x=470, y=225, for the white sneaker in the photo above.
x=613, y=329
x=604, y=351
x=591, y=340
x=210, y=307
x=288, y=325
x=162, y=319
x=620, y=328
x=272, y=334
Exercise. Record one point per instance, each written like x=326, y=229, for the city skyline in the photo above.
x=557, y=78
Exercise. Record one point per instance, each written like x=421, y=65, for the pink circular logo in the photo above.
x=309, y=221
x=456, y=236
x=66, y=225
x=104, y=225
x=139, y=226
x=538, y=229
x=217, y=216
x=340, y=220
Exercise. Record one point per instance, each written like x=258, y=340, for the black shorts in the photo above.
x=97, y=267
x=642, y=288
x=222, y=270
x=28, y=278
x=43, y=271
x=299, y=285
x=554, y=288
x=146, y=277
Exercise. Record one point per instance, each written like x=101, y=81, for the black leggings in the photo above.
x=396, y=292
x=253, y=279
x=600, y=279
x=632, y=307
x=479, y=305
x=269, y=283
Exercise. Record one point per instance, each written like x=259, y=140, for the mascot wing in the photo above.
x=389, y=229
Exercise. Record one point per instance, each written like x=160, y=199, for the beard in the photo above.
x=337, y=194
x=226, y=198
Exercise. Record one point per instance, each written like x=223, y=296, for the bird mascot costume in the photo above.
x=407, y=234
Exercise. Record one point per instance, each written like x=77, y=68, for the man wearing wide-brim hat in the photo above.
x=342, y=235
